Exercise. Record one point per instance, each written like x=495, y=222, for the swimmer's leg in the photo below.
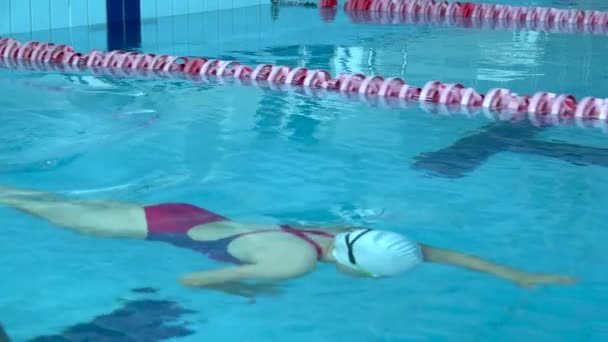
x=100, y=218
x=8, y=191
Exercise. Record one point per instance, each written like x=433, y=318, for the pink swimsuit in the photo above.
x=170, y=222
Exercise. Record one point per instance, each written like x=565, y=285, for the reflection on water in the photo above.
x=63, y=122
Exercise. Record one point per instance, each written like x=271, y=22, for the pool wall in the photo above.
x=109, y=23
x=201, y=27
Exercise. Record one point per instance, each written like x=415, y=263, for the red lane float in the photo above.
x=480, y=14
x=556, y=107
x=328, y=3
x=540, y=120
x=398, y=18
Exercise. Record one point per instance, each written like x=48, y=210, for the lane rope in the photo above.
x=543, y=106
x=478, y=15
x=547, y=18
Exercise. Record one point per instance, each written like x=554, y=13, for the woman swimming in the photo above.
x=263, y=253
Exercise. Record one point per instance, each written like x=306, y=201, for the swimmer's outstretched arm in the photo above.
x=471, y=262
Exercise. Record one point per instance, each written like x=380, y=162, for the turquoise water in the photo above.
x=266, y=156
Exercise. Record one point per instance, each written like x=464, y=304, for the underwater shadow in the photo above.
x=145, y=320
x=3, y=335
x=471, y=152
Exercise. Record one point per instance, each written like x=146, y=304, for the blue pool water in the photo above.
x=511, y=192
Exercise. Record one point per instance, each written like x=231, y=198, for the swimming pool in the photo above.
x=512, y=192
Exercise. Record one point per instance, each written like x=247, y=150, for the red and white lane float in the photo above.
x=544, y=107
x=479, y=14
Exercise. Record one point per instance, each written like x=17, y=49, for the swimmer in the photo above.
x=258, y=256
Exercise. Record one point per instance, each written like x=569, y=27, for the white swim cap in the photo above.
x=379, y=253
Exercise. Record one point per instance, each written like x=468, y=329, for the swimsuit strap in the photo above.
x=302, y=235
x=314, y=232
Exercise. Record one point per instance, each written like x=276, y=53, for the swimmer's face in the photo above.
x=349, y=266
x=351, y=272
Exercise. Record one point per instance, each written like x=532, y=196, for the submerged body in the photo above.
x=188, y=226
x=264, y=253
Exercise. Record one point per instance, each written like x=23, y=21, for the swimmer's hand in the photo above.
x=241, y=289
x=532, y=280
x=229, y=285
x=249, y=291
